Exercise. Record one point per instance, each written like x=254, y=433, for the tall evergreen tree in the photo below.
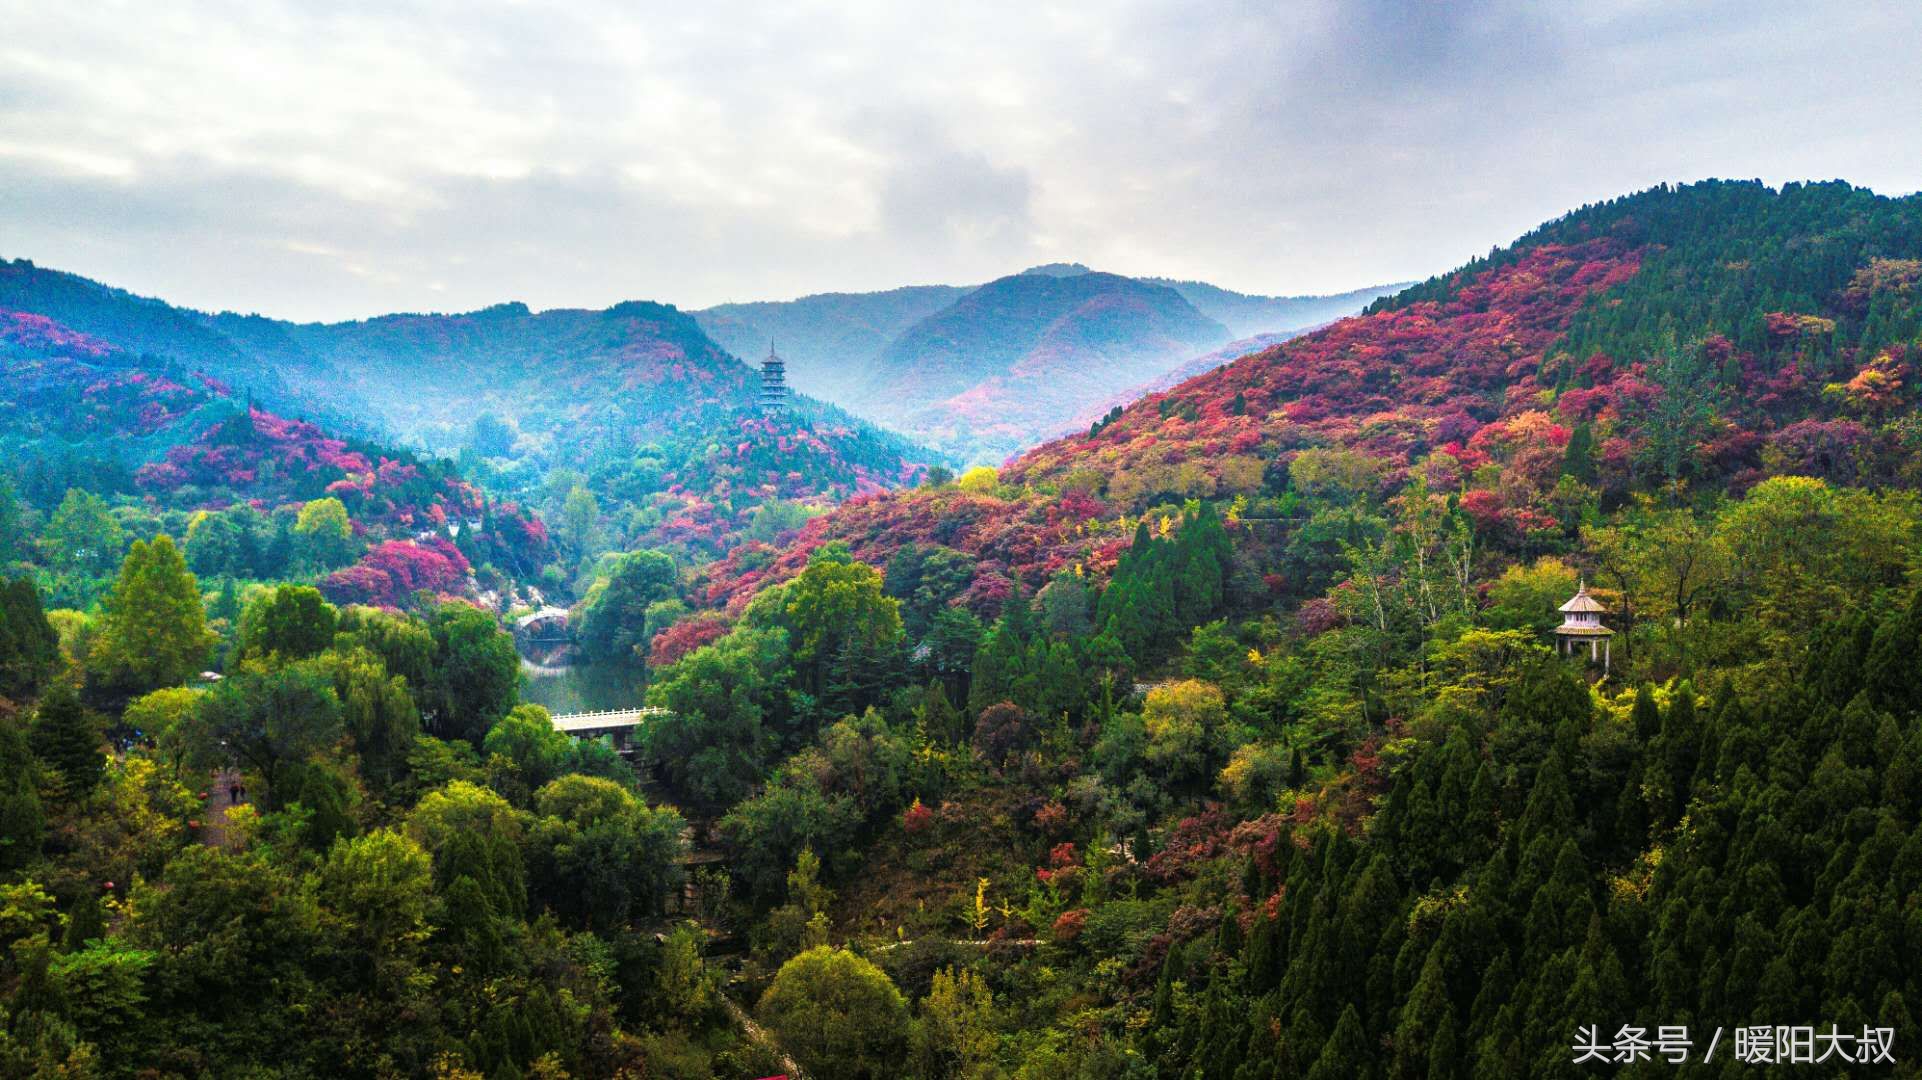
x=29, y=648
x=67, y=738
x=153, y=631
x=23, y=825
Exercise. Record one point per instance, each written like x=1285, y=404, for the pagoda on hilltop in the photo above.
x=774, y=399
x=1582, y=622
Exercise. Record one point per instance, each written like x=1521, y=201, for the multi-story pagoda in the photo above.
x=773, y=383
x=1582, y=622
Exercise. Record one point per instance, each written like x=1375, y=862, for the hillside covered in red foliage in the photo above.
x=1675, y=339
x=172, y=441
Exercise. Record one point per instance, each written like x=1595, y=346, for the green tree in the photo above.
x=526, y=739
x=957, y=1025
x=13, y=528
x=271, y=722
x=293, y=622
x=1530, y=597
x=167, y=717
x=67, y=738
x=381, y=886
x=378, y=712
x=475, y=834
x=83, y=537
x=227, y=542
x=1185, y=726
x=1346, y=1055
x=834, y=603
x=153, y=629
x=768, y=832
x=476, y=673
x=23, y=824
x=404, y=644
x=603, y=854
x=1578, y=457
x=326, y=533
x=580, y=522
x=726, y=702
x=1679, y=416
x=29, y=647
x=838, y=1014
x=802, y=922
x=614, y=613
x=491, y=436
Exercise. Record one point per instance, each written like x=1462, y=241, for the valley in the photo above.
x=1231, y=731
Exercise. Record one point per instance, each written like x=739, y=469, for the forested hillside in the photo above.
x=986, y=371
x=103, y=448
x=626, y=427
x=1247, y=714
x=1000, y=367
x=1228, y=739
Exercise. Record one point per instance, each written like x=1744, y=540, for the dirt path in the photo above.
x=973, y=943
x=761, y=1035
x=215, y=804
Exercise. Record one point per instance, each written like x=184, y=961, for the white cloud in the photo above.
x=334, y=160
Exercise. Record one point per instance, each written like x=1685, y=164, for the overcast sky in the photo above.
x=344, y=159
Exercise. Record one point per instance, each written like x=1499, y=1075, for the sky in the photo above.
x=330, y=161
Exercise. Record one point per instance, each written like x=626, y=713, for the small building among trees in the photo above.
x=1582, y=622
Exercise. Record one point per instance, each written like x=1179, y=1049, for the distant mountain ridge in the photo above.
x=1246, y=315
x=861, y=349
x=1007, y=363
x=635, y=402
x=1480, y=381
x=828, y=337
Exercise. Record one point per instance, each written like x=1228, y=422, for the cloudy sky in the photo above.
x=343, y=159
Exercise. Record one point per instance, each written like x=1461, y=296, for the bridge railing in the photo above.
x=643, y=710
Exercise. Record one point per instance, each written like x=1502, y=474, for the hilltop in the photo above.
x=633, y=405
x=1782, y=316
x=988, y=374
x=86, y=425
x=827, y=338
x=986, y=371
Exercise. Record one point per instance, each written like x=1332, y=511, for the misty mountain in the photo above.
x=861, y=350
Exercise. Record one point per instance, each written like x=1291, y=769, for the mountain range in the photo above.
x=1679, y=336
x=982, y=372
x=633, y=403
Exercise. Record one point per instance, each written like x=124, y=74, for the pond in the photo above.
x=581, y=687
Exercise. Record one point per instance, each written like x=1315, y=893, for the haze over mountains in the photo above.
x=974, y=373
x=634, y=403
x=981, y=372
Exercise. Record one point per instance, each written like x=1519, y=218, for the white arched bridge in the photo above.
x=618, y=724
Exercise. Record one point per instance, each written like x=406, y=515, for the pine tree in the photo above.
x=1645, y=716
x=1444, y=1052
x=1578, y=457
x=84, y=923
x=940, y=719
x=67, y=739
x=29, y=648
x=227, y=604
x=1422, y=1018
x=154, y=631
x=1346, y=1055
x=23, y=825
x=1550, y=810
